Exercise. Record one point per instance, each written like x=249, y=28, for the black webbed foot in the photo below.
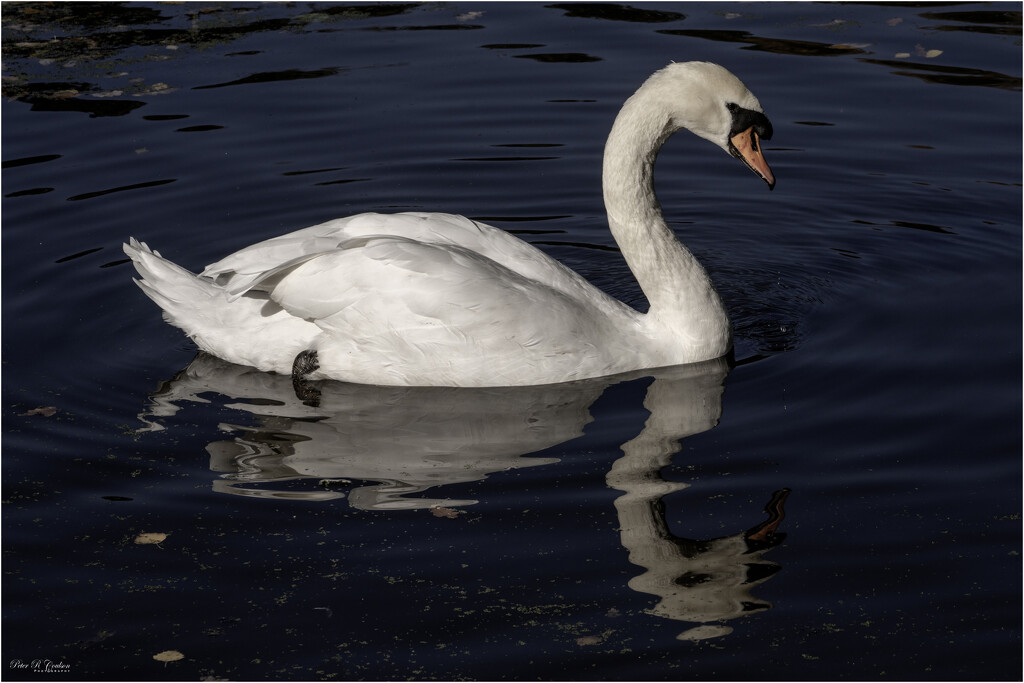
x=304, y=365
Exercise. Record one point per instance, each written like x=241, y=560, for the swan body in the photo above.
x=430, y=299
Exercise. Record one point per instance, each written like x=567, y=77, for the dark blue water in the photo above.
x=634, y=528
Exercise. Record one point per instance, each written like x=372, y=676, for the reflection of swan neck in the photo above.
x=679, y=291
x=694, y=580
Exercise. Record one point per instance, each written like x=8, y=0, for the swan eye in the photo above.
x=742, y=119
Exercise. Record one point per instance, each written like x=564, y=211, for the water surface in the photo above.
x=841, y=500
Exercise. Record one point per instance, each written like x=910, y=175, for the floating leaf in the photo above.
x=168, y=656
x=150, y=538
x=589, y=640
x=45, y=411
x=920, y=51
x=444, y=512
x=705, y=632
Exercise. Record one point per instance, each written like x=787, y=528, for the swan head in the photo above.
x=712, y=103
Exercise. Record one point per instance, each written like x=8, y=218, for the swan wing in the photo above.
x=412, y=281
x=262, y=264
x=400, y=311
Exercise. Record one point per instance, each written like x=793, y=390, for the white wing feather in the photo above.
x=259, y=264
x=462, y=317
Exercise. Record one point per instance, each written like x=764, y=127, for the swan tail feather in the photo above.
x=180, y=293
x=249, y=330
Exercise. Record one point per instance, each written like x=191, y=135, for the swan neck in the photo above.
x=628, y=172
x=679, y=291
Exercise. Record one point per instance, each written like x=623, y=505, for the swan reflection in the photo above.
x=383, y=447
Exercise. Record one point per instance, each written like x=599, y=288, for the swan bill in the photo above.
x=746, y=145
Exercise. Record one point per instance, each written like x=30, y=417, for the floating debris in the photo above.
x=919, y=51
x=589, y=640
x=168, y=656
x=150, y=538
x=704, y=632
x=45, y=411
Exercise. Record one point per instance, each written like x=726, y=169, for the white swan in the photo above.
x=440, y=300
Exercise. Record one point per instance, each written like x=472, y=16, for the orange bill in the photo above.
x=748, y=146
